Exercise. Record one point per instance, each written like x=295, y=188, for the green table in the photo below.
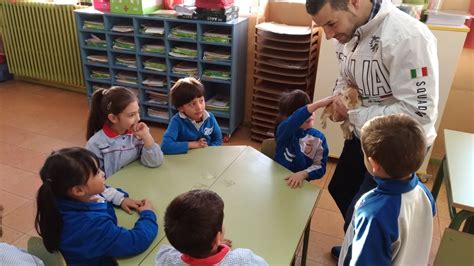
x=457, y=171
x=456, y=248
x=261, y=212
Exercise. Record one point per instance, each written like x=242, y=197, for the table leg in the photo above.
x=305, y=242
x=439, y=179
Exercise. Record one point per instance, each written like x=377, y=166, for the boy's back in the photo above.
x=390, y=225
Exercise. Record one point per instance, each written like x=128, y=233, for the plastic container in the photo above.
x=102, y=5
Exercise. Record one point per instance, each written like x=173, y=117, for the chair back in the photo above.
x=37, y=248
x=268, y=148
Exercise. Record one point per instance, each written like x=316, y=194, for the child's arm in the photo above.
x=119, y=241
x=287, y=128
x=151, y=154
x=93, y=147
x=170, y=143
x=216, y=136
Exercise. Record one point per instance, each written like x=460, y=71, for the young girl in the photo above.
x=74, y=218
x=115, y=134
x=300, y=147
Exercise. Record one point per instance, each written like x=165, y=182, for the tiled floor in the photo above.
x=34, y=120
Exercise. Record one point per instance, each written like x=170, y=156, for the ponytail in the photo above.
x=105, y=102
x=48, y=222
x=62, y=171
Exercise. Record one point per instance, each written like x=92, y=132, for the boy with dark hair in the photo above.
x=192, y=127
x=194, y=227
x=392, y=223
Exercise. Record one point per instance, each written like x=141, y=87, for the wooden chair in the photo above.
x=37, y=248
x=268, y=148
x=455, y=249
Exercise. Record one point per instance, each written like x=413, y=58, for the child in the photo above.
x=300, y=147
x=74, y=218
x=192, y=127
x=392, y=223
x=194, y=227
x=115, y=134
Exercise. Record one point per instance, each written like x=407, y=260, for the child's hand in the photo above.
x=128, y=204
x=142, y=132
x=296, y=179
x=145, y=205
x=201, y=143
x=227, y=242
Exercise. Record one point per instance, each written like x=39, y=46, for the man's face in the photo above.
x=337, y=24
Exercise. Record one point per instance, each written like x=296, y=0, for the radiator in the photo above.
x=41, y=43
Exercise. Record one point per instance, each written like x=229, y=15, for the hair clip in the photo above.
x=109, y=105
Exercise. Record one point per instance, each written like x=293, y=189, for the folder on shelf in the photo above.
x=100, y=74
x=95, y=41
x=153, y=48
x=93, y=25
x=218, y=103
x=99, y=86
x=157, y=97
x=155, y=82
x=217, y=73
x=155, y=64
x=220, y=54
x=126, y=77
x=152, y=30
x=122, y=28
x=186, y=68
x=183, y=32
x=123, y=43
x=126, y=61
x=97, y=58
x=184, y=51
x=217, y=36
x=158, y=113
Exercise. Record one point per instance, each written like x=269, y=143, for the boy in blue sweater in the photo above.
x=300, y=147
x=392, y=224
x=192, y=127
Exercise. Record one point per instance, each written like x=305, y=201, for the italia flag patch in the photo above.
x=419, y=72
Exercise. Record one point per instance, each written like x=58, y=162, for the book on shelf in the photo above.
x=100, y=74
x=218, y=17
x=126, y=77
x=157, y=98
x=186, y=68
x=218, y=103
x=217, y=36
x=95, y=41
x=98, y=59
x=217, y=73
x=183, y=32
x=123, y=43
x=93, y=25
x=152, y=30
x=126, y=61
x=122, y=28
x=163, y=114
x=184, y=51
x=165, y=13
x=153, y=48
x=217, y=11
x=155, y=64
x=155, y=82
x=219, y=54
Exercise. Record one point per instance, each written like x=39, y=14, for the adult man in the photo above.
x=392, y=59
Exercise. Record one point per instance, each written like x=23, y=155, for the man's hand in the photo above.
x=129, y=204
x=296, y=179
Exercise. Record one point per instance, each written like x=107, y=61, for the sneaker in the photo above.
x=335, y=252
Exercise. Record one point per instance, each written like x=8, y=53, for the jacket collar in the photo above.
x=394, y=186
x=67, y=205
x=109, y=132
x=208, y=261
x=197, y=125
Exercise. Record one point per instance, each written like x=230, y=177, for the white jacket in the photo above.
x=393, y=60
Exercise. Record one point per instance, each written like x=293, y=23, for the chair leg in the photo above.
x=469, y=225
x=459, y=218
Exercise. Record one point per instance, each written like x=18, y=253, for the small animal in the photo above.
x=351, y=99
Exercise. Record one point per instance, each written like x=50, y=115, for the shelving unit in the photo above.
x=111, y=73
x=282, y=63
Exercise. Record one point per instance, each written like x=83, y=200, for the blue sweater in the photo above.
x=181, y=130
x=300, y=149
x=392, y=225
x=91, y=236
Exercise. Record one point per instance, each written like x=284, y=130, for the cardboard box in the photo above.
x=134, y=7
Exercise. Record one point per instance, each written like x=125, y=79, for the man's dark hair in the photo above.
x=192, y=221
x=396, y=142
x=313, y=6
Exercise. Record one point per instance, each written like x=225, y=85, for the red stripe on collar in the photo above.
x=208, y=261
x=109, y=132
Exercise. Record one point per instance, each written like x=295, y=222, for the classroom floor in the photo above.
x=36, y=119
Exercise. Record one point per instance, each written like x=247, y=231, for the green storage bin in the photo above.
x=134, y=7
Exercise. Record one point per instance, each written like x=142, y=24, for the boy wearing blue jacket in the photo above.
x=300, y=148
x=392, y=224
x=192, y=127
